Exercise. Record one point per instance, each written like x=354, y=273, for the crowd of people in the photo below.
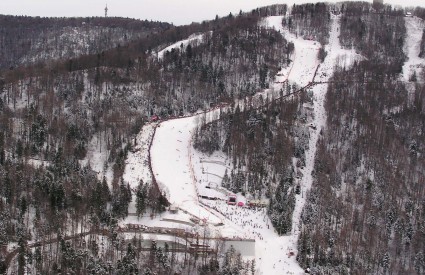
x=253, y=220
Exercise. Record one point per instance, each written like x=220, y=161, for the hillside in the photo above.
x=283, y=140
x=31, y=40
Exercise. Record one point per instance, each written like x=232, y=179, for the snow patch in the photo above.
x=137, y=163
x=194, y=38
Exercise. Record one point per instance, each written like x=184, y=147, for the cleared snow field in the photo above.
x=414, y=28
x=170, y=161
x=97, y=156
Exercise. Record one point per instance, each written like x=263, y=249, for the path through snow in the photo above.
x=414, y=28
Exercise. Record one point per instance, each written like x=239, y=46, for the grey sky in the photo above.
x=175, y=11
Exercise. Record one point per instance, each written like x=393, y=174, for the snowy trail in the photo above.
x=170, y=153
x=170, y=148
x=194, y=38
x=414, y=28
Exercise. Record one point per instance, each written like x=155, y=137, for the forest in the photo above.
x=72, y=87
x=365, y=213
x=55, y=114
x=32, y=40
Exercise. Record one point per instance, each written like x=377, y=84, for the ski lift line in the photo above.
x=222, y=163
x=192, y=172
x=212, y=161
x=207, y=173
x=150, y=163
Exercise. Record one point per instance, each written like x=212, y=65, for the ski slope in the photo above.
x=414, y=28
x=178, y=176
x=183, y=173
x=171, y=164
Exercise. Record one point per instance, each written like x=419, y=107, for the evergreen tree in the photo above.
x=120, y=200
x=282, y=205
x=141, y=198
x=128, y=266
x=2, y=153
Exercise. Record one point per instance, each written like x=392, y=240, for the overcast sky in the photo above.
x=174, y=11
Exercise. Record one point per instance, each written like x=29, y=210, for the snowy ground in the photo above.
x=414, y=28
x=97, y=156
x=170, y=153
x=134, y=171
x=305, y=56
x=209, y=172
